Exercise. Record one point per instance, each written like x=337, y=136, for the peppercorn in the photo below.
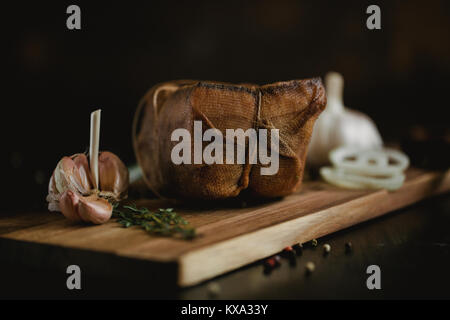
x=314, y=242
x=214, y=289
x=267, y=271
x=298, y=249
x=310, y=267
x=348, y=247
x=277, y=260
x=326, y=248
x=288, y=252
x=270, y=263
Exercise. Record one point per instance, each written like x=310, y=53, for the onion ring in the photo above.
x=342, y=178
x=376, y=162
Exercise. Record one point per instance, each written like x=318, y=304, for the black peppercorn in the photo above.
x=348, y=247
x=298, y=249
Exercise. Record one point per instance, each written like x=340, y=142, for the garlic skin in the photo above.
x=71, y=190
x=339, y=126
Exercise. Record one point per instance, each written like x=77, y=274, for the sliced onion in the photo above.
x=343, y=178
x=374, y=162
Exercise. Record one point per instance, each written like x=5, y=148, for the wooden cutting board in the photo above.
x=230, y=235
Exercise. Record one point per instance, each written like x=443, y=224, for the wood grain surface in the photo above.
x=230, y=234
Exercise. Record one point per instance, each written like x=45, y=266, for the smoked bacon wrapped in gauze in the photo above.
x=291, y=107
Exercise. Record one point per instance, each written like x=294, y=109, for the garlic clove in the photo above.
x=88, y=209
x=113, y=175
x=67, y=176
x=84, y=174
x=94, y=209
x=68, y=204
x=63, y=169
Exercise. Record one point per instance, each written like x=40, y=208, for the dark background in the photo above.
x=55, y=77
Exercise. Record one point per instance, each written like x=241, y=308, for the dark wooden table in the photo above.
x=411, y=246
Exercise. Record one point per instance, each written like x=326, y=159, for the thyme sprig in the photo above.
x=164, y=222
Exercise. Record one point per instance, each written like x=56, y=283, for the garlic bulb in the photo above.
x=339, y=126
x=71, y=189
x=81, y=190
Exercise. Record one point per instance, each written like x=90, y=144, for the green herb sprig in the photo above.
x=165, y=222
